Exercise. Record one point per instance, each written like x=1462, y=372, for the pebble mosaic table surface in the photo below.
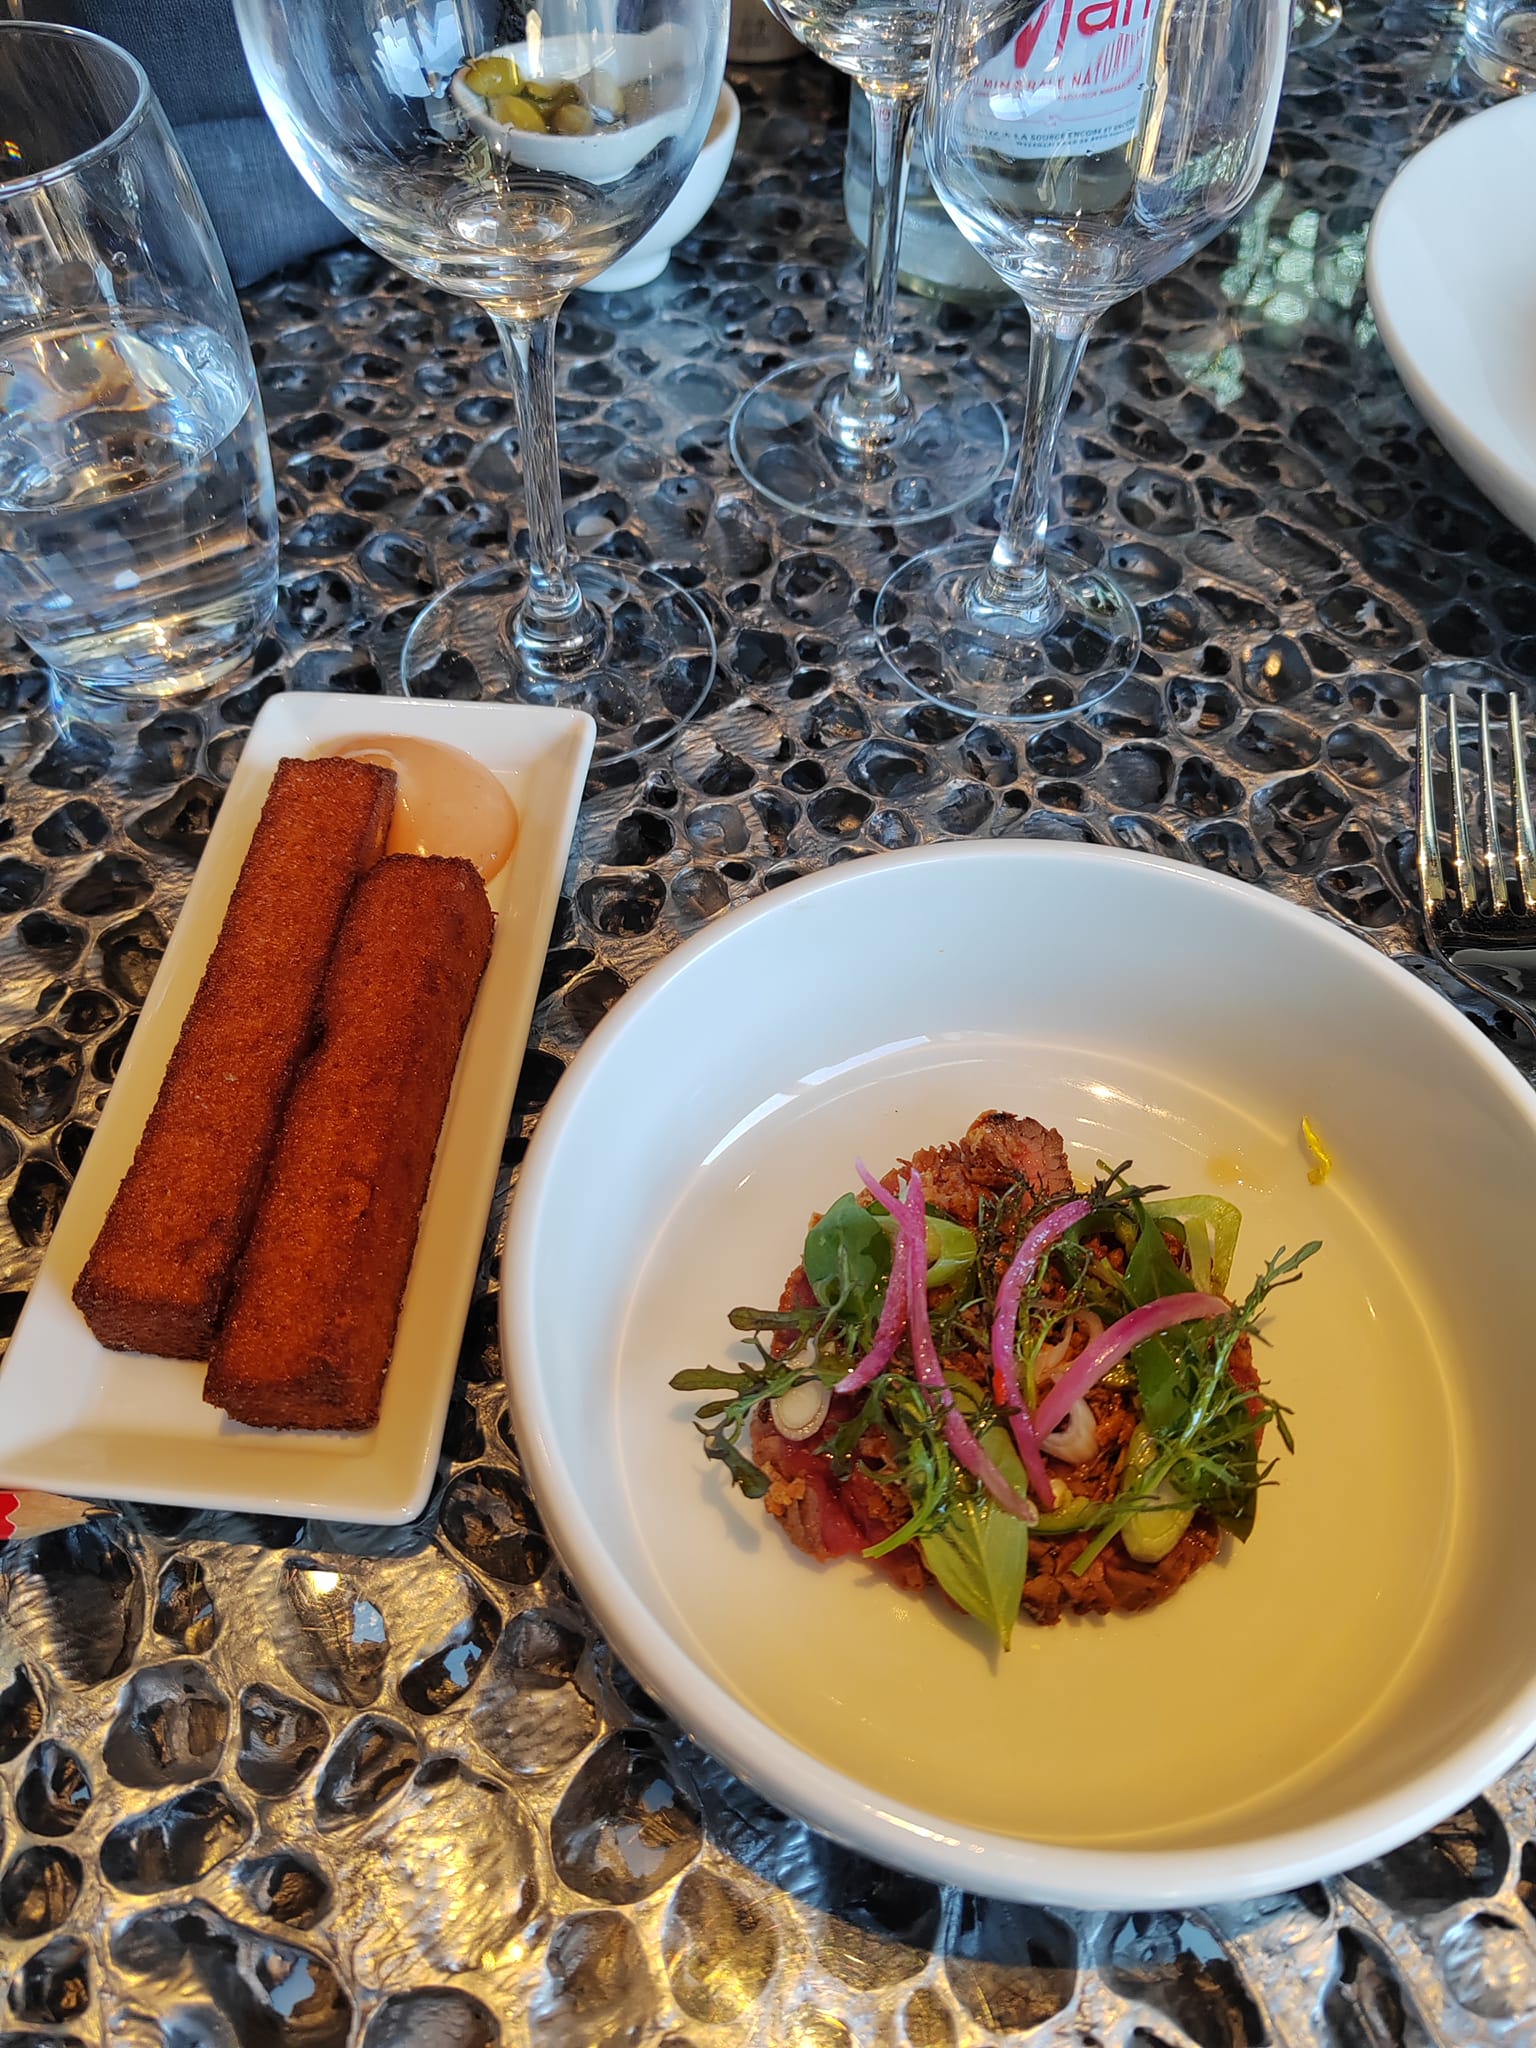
x=265, y=1785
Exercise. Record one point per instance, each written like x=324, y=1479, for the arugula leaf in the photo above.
x=980, y=1553
x=1213, y=1244
x=697, y=1378
x=752, y=1480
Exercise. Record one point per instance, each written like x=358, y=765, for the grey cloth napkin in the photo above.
x=262, y=211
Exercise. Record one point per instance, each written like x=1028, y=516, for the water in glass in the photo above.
x=135, y=499
x=138, y=528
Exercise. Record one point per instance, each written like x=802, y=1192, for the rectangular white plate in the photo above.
x=76, y=1418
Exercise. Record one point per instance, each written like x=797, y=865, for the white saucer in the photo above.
x=1451, y=273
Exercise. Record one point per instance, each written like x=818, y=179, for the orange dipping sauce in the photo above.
x=446, y=802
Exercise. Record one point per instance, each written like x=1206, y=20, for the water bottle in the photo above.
x=936, y=259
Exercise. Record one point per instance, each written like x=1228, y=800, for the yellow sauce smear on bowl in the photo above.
x=446, y=802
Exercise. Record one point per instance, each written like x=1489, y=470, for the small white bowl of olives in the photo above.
x=550, y=108
x=696, y=195
x=554, y=111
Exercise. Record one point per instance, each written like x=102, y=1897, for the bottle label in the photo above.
x=1070, y=84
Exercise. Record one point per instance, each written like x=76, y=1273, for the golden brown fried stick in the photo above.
x=311, y=1323
x=160, y=1270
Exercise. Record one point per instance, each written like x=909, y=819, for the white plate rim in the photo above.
x=1393, y=297
x=894, y=1833
x=354, y=1485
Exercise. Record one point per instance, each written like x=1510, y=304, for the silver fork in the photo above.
x=1479, y=919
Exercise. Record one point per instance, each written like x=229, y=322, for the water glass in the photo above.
x=138, y=531
x=1501, y=43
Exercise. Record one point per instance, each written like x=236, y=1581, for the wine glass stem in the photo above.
x=870, y=410
x=555, y=630
x=1015, y=580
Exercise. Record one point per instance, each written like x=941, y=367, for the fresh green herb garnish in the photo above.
x=1204, y=1426
x=847, y=1260
x=1201, y=1438
x=979, y=1553
x=1209, y=1227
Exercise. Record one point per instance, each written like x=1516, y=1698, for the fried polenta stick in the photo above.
x=311, y=1323
x=160, y=1271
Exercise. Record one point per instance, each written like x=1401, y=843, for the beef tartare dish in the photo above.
x=1039, y=1399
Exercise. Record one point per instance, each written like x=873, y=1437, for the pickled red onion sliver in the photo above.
x=1005, y=1320
x=912, y=1245
x=893, y=1313
x=1096, y=1359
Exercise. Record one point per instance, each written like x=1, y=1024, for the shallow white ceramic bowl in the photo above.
x=1360, y=1669
x=1451, y=273
x=696, y=195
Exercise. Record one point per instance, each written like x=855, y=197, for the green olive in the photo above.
x=493, y=76
x=513, y=111
x=1151, y=1533
x=1073, y=1511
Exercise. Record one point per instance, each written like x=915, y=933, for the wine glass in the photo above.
x=510, y=154
x=1085, y=150
x=860, y=436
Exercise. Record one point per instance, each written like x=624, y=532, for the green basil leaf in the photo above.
x=980, y=1556
x=1150, y=1271
x=1158, y=1389
x=847, y=1258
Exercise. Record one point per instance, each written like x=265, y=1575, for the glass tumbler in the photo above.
x=138, y=532
x=1501, y=43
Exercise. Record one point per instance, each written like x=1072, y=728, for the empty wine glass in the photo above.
x=509, y=154
x=1085, y=147
x=861, y=436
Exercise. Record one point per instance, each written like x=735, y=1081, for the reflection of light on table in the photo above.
x=1281, y=272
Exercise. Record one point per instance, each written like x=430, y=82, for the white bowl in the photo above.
x=1451, y=273
x=695, y=196
x=607, y=154
x=1362, y=1667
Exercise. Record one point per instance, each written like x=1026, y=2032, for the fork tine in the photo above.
x=1488, y=818
x=1431, y=873
x=1525, y=835
x=1461, y=834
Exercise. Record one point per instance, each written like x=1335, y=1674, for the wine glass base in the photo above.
x=982, y=663
x=952, y=447
x=649, y=679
